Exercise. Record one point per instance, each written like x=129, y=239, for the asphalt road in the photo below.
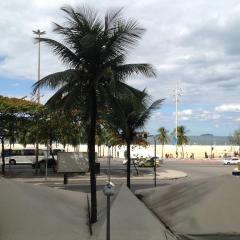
x=194, y=169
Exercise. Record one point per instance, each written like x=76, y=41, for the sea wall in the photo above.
x=198, y=151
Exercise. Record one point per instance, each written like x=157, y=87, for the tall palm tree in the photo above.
x=129, y=114
x=182, y=138
x=95, y=51
x=163, y=137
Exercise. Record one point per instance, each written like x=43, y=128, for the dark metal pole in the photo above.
x=108, y=196
x=108, y=218
x=155, y=165
x=3, y=155
x=65, y=178
x=109, y=159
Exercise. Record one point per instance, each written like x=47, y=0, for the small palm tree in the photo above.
x=235, y=139
x=163, y=137
x=95, y=51
x=182, y=138
x=128, y=114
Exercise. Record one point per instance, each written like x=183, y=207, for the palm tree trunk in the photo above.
x=128, y=164
x=182, y=152
x=3, y=156
x=91, y=153
x=162, y=150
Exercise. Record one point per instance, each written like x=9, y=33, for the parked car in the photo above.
x=150, y=162
x=231, y=161
x=134, y=160
x=42, y=163
x=51, y=160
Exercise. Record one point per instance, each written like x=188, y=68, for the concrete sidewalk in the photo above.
x=130, y=219
x=36, y=212
x=166, y=174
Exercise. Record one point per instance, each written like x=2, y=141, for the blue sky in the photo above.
x=194, y=44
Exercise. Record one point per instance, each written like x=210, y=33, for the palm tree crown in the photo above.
x=163, y=137
x=95, y=52
x=182, y=135
x=129, y=113
x=182, y=138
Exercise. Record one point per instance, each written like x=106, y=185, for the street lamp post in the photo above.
x=46, y=162
x=3, y=153
x=38, y=33
x=108, y=192
x=155, y=159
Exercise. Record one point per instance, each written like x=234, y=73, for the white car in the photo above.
x=132, y=162
x=231, y=161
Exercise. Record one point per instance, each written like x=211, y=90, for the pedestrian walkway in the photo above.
x=130, y=219
x=165, y=174
x=38, y=212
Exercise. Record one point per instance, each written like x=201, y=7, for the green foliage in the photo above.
x=129, y=112
x=14, y=113
x=163, y=137
x=235, y=138
x=17, y=106
x=182, y=135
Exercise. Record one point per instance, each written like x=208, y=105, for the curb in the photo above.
x=166, y=175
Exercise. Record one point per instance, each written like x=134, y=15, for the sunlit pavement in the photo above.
x=194, y=169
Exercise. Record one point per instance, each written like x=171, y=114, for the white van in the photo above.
x=22, y=156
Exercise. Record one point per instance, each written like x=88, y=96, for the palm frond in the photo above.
x=66, y=55
x=55, y=80
x=111, y=17
x=127, y=70
x=123, y=36
x=145, y=115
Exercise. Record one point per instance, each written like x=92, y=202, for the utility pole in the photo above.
x=38, y=33
x=177, y=94
x=176, y=123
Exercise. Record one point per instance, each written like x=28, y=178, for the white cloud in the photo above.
x=185, y=114
x=228, y=108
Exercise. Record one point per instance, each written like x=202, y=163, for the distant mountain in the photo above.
x=207, y=135
x=209, y=139
x=204, y=139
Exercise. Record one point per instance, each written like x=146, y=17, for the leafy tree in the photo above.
x=128, y=114
x=182, y=138
x=14, y=113
x=95, y=52
x=163, y=137
x=235, y=139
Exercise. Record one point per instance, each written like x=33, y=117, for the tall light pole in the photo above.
x=38, y=33
x=177, y=94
